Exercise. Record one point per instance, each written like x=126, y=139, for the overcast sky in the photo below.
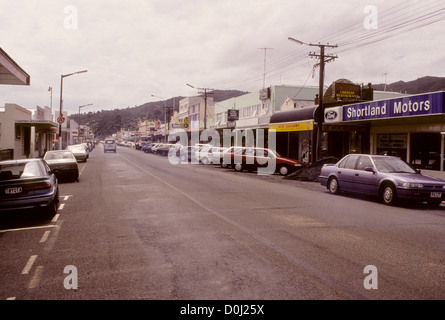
x=137, y=48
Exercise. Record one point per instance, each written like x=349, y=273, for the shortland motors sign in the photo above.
x=417, y=105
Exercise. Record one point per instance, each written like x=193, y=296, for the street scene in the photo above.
x=240, y=156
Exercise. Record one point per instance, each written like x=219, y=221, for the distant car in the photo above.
x=109, y=145
x=252, y=159
x=63, y=164
x=79, y=152
x=187, y=154
x=28, y=184
x=387, y=177
x=163, y=148
x=210, y=155
x=148, y=148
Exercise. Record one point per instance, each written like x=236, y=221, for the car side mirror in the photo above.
x=418, y=171
x=370, y=169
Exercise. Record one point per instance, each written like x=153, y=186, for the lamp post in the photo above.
x=78, y=127
x=50, y=89
x=319, y=113
x=165, y=116
x=61, y=103
x=205, y=102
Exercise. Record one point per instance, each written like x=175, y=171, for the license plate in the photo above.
x=436, y=195
x=13, y=190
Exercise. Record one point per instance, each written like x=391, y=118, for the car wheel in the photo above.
x=283, y=170
x=205, y=160
x=388, y=195
x=238, y=167
x=333, y=186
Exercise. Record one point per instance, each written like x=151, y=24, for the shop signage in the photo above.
x=424, y=104
x=333, y=115
x=292, y=126
x=346, y=91
x=232, y=114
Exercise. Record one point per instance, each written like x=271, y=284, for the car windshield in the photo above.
x=392, y=165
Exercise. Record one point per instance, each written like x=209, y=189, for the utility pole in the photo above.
x=206, y=93
x=319, y=112
x=264, y=73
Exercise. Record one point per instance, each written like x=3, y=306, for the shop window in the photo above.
x=425, y=150
x=392, y=144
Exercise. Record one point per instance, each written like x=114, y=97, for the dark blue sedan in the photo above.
x=28, y=184
x=387, y=177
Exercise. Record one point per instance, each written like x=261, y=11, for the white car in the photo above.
x=210, y=155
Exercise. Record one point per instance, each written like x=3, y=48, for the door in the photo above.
x=346, y=172
x=365, y=181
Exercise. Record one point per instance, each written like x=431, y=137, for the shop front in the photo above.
x=410, y=127
x=294, y=131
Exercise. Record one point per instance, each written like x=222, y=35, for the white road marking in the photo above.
x=36, y=277
x=29, y=264
x=56, y=216
x=29, y=228
x=61, y=206
x=45, y=236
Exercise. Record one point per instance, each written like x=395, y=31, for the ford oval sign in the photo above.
x=331, y=115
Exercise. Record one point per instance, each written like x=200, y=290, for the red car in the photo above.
x=263, y=160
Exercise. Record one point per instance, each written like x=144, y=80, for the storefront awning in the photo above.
x=10, y=71
x=294, y=115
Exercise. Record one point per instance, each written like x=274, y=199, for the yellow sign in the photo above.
x=294, y=126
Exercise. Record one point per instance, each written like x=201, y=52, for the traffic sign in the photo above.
x=60, y=120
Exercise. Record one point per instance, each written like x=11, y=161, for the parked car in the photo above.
x=387, y=177
x=148, y=148
x=252, y=159
x=187, y=154
x=63, y=164
x=79, y=152
x=28, y=184
x=163, y=148
x=228, y=156
x=210, y=154
x=109, y=145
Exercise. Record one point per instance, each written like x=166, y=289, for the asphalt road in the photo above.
x=137, y=227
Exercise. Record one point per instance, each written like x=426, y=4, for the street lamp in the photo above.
x=165, y=116
x=319, y=114
x=78, y=127
x=61, y=103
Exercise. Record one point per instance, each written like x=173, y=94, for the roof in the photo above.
x=11, y=72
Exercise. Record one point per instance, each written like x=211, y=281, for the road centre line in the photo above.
x=29, y=264
x=45, y=236
x=36, y=277
x=258, y=237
